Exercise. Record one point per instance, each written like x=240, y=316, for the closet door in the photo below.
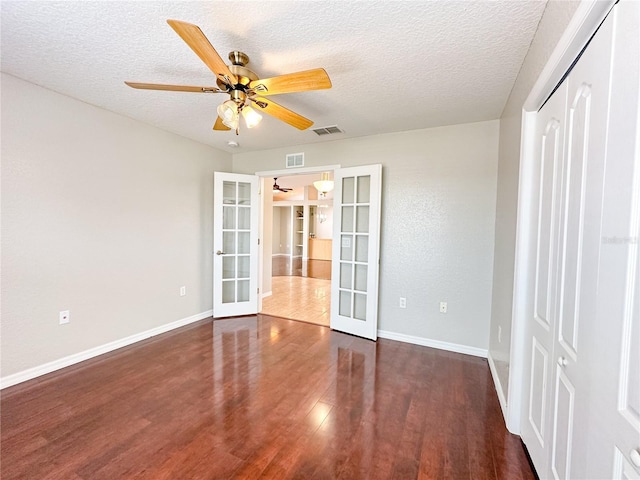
x=615, y=451
x=546, y=194
x=570, y=148
x=580, y=236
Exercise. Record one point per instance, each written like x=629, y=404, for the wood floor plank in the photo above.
x=261, y=397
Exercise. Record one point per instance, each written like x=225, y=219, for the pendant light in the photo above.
x=324, y=185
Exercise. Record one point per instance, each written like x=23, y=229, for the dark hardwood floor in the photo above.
x=282, y=265
x=261, y=397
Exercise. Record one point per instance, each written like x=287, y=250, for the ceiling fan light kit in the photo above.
x=251, y=117
x=242, y=85
x=228, y=112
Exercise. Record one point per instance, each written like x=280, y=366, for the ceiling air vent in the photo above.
x=295, y=160
x=327, y=130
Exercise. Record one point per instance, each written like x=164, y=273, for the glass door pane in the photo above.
x=353, y=268
x=236, y=227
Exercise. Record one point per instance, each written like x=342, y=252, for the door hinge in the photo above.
x=258, y=290
x=258, y=241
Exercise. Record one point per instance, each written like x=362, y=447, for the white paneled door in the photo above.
x=582, y=410
x=549, y=149
x=618, y=303
x=356, y=247
x=235, y=244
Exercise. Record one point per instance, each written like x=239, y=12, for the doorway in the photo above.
x=301, y=246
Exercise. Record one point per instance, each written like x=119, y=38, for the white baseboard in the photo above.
x=427, y=342
x=267, y=294
x=498, y=386
x=69, y=360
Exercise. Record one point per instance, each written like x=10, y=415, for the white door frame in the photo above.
x=585, y=21
x=269, y=174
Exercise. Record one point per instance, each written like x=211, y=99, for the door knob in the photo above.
x=562, y=361
x=220, y=252
x=634, y=455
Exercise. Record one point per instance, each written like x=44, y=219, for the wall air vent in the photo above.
x=295, y=160
x=327, y=130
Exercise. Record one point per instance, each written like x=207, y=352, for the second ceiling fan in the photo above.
x=247, y=92
x=278, y=188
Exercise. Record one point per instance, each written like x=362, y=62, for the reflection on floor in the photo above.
x=502, y=369
x=261, y=397
x=299, y=298
x=283, y=265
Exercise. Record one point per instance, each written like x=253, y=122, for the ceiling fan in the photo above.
x=246, y=91
x=278, y=188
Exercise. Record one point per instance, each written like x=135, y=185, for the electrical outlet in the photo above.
x=499, y=334
x=64, y=317
x=443, y=307
x=183, y=291
x=403, y=302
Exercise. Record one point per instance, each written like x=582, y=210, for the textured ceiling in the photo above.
x=394, y=65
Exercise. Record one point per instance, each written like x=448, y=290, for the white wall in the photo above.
x=102, y=216
x=281, y=233
x=552, y=24
x=438, y=213
x=275, y=231
x=324, y=229
x=285, y=230
x=266, y=242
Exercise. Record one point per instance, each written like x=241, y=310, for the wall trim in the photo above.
x=498, y=385
x=69, y=360
x=290, y=172
x=267, y=294
x=428, y=342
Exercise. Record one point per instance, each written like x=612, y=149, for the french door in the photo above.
x=355, y=253
x=235, y=244
x=356, y=247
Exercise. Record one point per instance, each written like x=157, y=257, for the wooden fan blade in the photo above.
x=174, y=88
x=193, y=36
x=219, y=125
x=292, y=82
x=281, y=113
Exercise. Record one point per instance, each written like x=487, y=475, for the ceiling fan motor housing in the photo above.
x=238, y=58
x=237, y=67
x=238, y=96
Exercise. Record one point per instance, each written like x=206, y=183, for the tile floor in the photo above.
x=299, y=298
